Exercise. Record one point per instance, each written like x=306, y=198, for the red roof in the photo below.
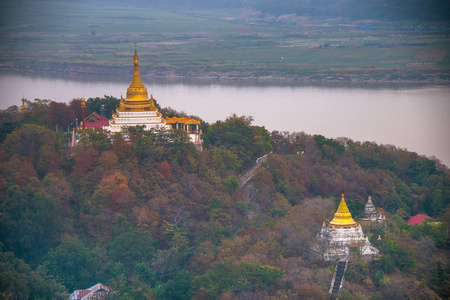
x=418, y=219
x=95, y=120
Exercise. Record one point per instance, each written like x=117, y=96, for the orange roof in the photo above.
x=184, y=120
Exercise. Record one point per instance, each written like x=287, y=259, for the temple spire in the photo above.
x=137, y=96
x=343, y=217
x=122, y=106
x=83, y=111
x=136, y=82
x=23, y=108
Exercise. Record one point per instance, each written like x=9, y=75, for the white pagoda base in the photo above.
x=149, y=119
x=341, y=242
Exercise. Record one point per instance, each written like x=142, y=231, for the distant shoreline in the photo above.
x=237, y=78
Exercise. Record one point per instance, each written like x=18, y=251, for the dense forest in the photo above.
x=153, y=218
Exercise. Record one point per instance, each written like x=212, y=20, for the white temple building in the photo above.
x=370, y=213
x=343, y=237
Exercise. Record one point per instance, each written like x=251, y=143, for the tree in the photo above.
x=165, y=169
x=95, y=138
x=131, y=247
x=37, y=143
x=37, y=113
x=238, y=136
x=420, y=169
x=26, y=172
x=75, y=106
x=61, y=115
x=177, y=288
x=19, y=281
x=109, y=104
x=29, y=223
x=230, y=184
x=73, y=264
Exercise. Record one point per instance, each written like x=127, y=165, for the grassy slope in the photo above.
x=72, y=37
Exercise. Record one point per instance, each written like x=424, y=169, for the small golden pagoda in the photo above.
x=23, y=108
x=343, y=217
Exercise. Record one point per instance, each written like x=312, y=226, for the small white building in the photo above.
x=370, y=213
x=96, y=292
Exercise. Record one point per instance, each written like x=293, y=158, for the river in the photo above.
x=415, y=118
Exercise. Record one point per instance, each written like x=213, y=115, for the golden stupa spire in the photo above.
x=122, y=106
x=152, y=103
x=23, y=108
x=137, y=96
x=343, y=217
x=136, y=81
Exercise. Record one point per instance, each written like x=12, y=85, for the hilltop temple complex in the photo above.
x=137, y=109
x=343, y=237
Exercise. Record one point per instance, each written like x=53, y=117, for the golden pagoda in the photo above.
x=23, y=108
x=137, y=96
x=137, y=109
x=343, y=217
x=343, y=236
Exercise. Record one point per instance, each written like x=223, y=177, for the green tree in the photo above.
x=238, y=136
x=109, y=103
x=37, y=113
x=95, y=138
x=420, y=169
x=29, y=221
x=177, y=288
x=73, y=264
x=230, y=184
x=132, y=246
x=19, y=281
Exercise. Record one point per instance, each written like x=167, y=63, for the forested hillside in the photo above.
x=153, y=218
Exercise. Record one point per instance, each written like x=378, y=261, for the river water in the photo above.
x=415, y=118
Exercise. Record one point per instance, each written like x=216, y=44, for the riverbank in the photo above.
x=412, y=79
x=410, y=116
x=221, y=45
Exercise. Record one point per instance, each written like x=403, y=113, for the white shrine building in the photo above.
x=343, y=237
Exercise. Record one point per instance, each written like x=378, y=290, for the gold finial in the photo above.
x=83, y=103
x=135, y=57
x=343, y=217
x=379, y=237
